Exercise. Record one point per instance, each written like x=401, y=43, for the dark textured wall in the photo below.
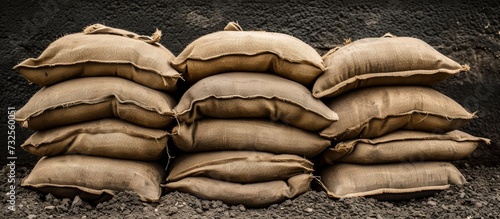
x=466, y=31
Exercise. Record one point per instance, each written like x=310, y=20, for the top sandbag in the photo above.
x=251, y=51
x=383, y=61
x=104, y=51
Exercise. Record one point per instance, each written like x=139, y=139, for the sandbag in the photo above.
x=106, y=138
x=254, y=95
x=260, y=194
x=239, y=166
x=104, y=51
x=404, y=146
x=247, y=134
x=94, y=177
x=383, y=61
x=249, y=51
x=373, y=112
x=92, y=98
x=389, y=181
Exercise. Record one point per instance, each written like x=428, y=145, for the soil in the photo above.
x=479, y=198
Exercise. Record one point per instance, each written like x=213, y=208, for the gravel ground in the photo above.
x=480, y=198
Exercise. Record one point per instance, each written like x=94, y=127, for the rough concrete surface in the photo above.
x=466, y=31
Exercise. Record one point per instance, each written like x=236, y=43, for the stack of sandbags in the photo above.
x=248, y=120
x=400, y=165
x=101, y=118
x=390, y=119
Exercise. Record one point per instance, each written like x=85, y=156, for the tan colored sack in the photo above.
x=249, y=51
x=92, y=98
x=386, y=181
x=104, y=51
x=383, y=61
x=251, y=195
x=69, y=175
x=247, y=135
x=254, y=95
x=403, y=146
x=373, y=112
x=106, y=138
x=239, y=166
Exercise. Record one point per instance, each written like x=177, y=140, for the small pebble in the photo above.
x=99, y=206
x=478, y=204
x=461, y=195
x=433, y=203
x=50, y=207
x=308, y=210
x=242, y=208
x=173, y=210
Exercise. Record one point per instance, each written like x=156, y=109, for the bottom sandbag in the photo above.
x=389, y=181
x=95, y=178
x=251, y=195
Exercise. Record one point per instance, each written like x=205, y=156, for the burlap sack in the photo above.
x=67, y=175
x=239, y=166
x=383, y=61
x=249, y=51
x=404, y=146
x=260, y=194
x=106, y=138
x=384, y=181
x=254, y=95
x=373, y=112
x=247, y=135
x=92, y=98
x=104, y=51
